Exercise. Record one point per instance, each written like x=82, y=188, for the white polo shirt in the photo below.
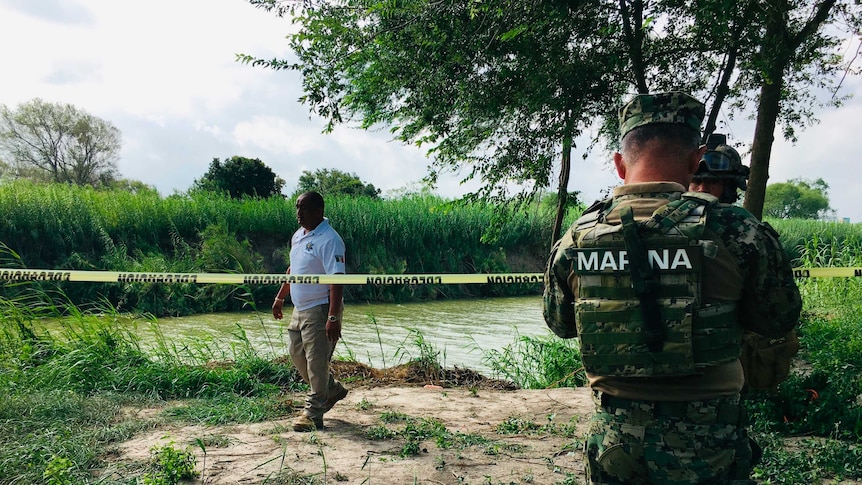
x=320, y=251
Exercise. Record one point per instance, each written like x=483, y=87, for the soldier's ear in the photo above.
x=694, y=162
x=620, y=164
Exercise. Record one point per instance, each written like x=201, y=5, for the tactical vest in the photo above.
x=639, y=310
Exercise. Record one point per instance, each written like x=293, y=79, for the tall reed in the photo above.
x=798, y=236
x=538, y=362
x=68, y=227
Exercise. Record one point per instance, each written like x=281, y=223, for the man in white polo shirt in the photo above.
x=315, y=325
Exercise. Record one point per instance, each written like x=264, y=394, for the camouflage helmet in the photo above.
x=722, y=161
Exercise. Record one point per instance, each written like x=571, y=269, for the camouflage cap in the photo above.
x=674, y=107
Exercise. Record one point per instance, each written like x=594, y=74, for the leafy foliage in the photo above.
x=130, y=185
x=797, y=199
x=334, y=182
x=241, y=177
x=794, y=58
x=59, y=143
x=170, y=466
x=502, y=89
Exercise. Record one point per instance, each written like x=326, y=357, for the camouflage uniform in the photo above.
x=765, y=361
x=681, y=428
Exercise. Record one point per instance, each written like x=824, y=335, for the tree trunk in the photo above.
x=720, y=93
x=726, y=74
x=783, y=47
x=634, y=37
x=562, y=189
x=761, y=147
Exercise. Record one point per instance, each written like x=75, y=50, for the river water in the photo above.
x=384, y=334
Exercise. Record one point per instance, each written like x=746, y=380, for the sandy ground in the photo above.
x=270, y=452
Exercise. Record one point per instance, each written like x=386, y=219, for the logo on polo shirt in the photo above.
x=309, y=246
x=339, y=258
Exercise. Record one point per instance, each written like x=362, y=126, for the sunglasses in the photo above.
x=717, y=162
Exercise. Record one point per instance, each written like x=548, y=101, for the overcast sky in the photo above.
x=164, y=72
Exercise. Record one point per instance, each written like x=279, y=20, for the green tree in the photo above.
x=797, y=199
x=503, y=88
x=129, y=185
x=794, y=55
x=240, y=177
x=59, y=143
x=329, y=182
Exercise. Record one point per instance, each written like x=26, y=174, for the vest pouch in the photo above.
x=613, y=341
x=766, y=361
x=717, y=334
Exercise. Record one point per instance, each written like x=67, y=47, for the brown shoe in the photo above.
x=334, y=399
x=304, y=424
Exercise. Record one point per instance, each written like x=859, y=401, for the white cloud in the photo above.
x=828, y=150
x=275, y=134
x=153, y=59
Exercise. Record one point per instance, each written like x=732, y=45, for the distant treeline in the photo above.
x=59, y=226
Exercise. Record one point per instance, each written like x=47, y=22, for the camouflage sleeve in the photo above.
x=558, y=298
x=770, y=304
x=773, y=308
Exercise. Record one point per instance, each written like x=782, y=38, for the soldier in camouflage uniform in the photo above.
x=721, y=172
x=658, y=285
x=765, y=361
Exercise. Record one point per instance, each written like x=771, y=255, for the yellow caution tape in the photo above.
x=324, y=279
x=827, y=272
x=265, y=279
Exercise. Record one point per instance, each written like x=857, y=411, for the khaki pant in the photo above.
x=311, y=352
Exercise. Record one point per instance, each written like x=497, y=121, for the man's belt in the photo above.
x=725, y=410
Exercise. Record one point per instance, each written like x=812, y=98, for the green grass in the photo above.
x=831, y=349
x=231, y=409
x=819, y=243
x=808, y=440
x=808, y=460
x=538, y=362
x=63, y=389
x=55, y=226
x=38, y=429
x=412, y=432
x=517, y=425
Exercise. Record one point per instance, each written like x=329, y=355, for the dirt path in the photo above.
x=545, y=448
